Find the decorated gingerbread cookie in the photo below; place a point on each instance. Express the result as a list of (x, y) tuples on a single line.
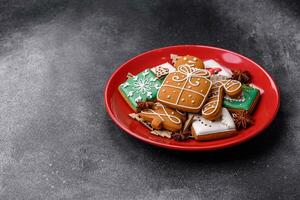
[(140, 88), (162, 70), (190, 61), (162, 117), (246, 101), (213, 107), (186, 89), (203, 129)]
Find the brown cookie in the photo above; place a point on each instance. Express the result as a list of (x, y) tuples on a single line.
[(233, 88), (212, 109), (190, 61), (162, 117), (186, 89)]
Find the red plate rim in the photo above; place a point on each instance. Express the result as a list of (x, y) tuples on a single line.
[(191, 148)]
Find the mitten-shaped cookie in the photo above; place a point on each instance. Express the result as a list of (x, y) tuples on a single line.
[(190, 61), (212, 109), (162, 117), (245, 102), (233, 88)]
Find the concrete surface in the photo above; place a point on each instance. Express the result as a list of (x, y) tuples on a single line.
[(56, 140)]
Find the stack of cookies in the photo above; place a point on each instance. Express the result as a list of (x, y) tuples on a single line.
[(191, 99)]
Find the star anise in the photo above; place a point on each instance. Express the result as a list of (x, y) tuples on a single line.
[(181, 136), (144, 105), (242, 119), (242, 76)]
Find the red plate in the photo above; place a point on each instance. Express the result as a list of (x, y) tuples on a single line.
[(118, 109)]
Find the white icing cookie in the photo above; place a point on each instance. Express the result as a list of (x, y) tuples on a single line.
[(203, 129), (213, 64), (163, 70)]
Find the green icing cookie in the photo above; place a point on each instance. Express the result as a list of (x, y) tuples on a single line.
[(244, 102), (140, 88)]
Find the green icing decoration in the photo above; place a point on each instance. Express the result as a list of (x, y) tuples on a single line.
[(248, 96), (140, 88)]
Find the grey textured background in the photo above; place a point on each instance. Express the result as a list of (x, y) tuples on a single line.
[(56, 140)]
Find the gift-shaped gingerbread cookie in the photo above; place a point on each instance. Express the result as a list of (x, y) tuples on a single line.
[(140, 88), (162, 117), (186, 89)]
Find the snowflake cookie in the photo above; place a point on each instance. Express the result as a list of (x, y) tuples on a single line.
[(140, 88)]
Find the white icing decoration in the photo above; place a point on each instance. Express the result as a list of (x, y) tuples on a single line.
[(191, 63), (238, 99), (145, 73), (135, 78), (130, 94), (142, 86), (125, 84), (172, 118), (149, 94), (165, 66), (181, 113), (153, 79), (138, 99), (226, 123), (157, 86)]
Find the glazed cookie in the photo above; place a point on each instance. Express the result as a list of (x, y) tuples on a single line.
[(162, 117), (140, 88), (190, 61), (212, 109), (216, 69), (162, 70), (186, 89), (203, 129), (246, 101)]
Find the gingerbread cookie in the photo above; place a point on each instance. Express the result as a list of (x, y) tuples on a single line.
[(232, 88), (213, 107), (203, 129), (186, 89), (162, 117), (162, 70), (246, 101), (140, 88), (190, 61)]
